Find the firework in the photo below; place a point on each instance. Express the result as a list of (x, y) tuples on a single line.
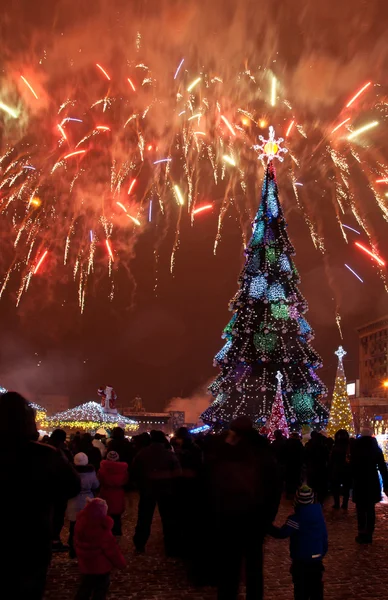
[(29, 86), (105, 73), (289, 128), (362, 129), (354, 273), (229, 160), (194, 83), (225, 120), (109, 250), (179, 196), (351, 229), (273, 91), (340, 125), (40, 261), (358, 94), (10, 111), (179, 68), (131, 84), (78, 152), (202, 208), (371, 254)]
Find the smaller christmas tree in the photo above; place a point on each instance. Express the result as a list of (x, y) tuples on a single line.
[(340, 413), (278, 419)]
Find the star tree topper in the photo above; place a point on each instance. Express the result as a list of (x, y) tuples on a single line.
[(270, 148), (279, 377), (340, 353)]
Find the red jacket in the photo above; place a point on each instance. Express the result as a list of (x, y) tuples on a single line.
[(113, 476), (96, 548)]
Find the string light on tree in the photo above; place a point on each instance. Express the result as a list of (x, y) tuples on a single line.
[(268, 333), (277, 420), (341, 416)]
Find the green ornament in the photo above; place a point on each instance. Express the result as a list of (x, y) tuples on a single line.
[(280, 311), (265, 342), (303, 404)]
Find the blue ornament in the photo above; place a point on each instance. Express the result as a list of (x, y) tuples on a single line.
[(258, 286)]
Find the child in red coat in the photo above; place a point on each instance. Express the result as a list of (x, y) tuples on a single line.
[(113, 475), (97, 550)]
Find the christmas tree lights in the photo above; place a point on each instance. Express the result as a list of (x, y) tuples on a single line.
[(89, 417), (277, 420), (341, 416), (268, 332)]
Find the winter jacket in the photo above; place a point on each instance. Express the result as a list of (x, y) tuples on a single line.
[(339, 464), (155, 465), (244, 484), (36, 477), (306, 529), (113, 476), (96, 548), (365, 459), (89, 482)]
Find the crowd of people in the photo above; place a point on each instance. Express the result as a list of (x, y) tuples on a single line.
[(231, 481)]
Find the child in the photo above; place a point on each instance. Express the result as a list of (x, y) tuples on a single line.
[(97, 550), (113, 475), (306, 529), (89, 482)]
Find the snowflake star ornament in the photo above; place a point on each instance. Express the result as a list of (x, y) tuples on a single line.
[(270, 148), (340, 353)]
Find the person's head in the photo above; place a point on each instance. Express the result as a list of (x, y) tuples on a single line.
[(314, 435), (58, 438), (112, 456), (295, 435), (240, 428), (181, 436), (366, 432), (118, 433), (80, 459), (158, 437), (97, 436), (87, 439), (304, 495), (278, 435), (17, 419), (341, 436)]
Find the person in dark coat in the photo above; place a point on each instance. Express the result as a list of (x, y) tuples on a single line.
[(156, 470), (339, 469), (244, 498), (293, 463), (278, 447), (366, 460), (317, 465), (119, 443), (93, 453), (58, 441), (35, 477), (187, 501)]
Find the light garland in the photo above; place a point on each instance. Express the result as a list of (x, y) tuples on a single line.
[(88, 417), (268, 332), (341, 416)]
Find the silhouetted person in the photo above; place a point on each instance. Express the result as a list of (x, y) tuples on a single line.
[(118, 443), (278, 448), (93, 453), (58, 441), (35, 478), (339, 469), (294, 457), (244, 496), (155, 470), (317, 461), (366, 460)]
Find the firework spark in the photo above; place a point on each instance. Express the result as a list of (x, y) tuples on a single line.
[(108, 246), (354, 273), (179, 68), (362, 129), (40, 261), (358, 94), (105, 73), (29, 86), (202, 208), (379, 260)]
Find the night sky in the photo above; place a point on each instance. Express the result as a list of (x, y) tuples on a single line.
[(160, 344)]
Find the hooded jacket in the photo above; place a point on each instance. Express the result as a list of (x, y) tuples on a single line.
[(96, 548), (89, 482), (366, 458), (113, 476)]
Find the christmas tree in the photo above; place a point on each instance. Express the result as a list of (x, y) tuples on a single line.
[(277, 420), (268, 332), (340, 413)]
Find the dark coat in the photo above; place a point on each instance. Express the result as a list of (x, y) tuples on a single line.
[(36, 477), (97, 550), (366, 459), (244, 485), (339, 464), (156, 467)]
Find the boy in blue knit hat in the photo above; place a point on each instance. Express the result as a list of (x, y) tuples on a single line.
[(306, 529)]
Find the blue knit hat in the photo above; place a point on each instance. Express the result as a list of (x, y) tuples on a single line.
[(304, 495)]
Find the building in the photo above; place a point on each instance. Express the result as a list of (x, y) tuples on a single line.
[(165, 421), (373, 359)]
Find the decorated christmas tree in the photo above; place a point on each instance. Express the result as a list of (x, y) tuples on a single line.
[(277, 420), (268, 332), (340, 413)]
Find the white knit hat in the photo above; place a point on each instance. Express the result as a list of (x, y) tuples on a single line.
[(81, 460)]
